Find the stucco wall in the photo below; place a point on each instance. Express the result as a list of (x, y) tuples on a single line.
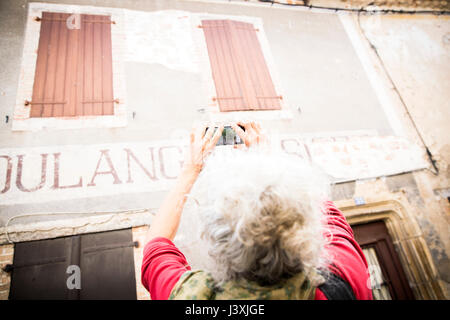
[(327, 88), (334, 84), (323, 82), (415, 51), (416, 54)]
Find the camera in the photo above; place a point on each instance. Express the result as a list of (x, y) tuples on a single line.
[(229, 136)]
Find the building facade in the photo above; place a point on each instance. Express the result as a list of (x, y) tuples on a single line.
[(96, 104)]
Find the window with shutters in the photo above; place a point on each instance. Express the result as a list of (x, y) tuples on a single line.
[(240, 72), (74, 67), (40, 269), (72, 70)]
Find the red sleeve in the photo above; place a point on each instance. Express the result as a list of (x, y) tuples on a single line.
[(162, 266), (348, 260)]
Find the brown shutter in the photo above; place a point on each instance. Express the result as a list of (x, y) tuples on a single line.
[(74, 67), (240, 72), (106, 262), (39, 269)]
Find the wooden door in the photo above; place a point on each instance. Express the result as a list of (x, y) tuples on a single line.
[(387, 275), (105, 259)]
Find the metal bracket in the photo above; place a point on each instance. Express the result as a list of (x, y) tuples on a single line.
[(27, 102), (39, 19), (8, 268), (102, 101)]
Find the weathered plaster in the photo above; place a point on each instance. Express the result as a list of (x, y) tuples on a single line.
[(342, 191), (408, 241), (332, 79), (55, 173), (430, 220), (416, 55), (407, 184), (104, 221)]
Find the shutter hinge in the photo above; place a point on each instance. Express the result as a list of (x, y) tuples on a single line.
[(270, 97), (27, 102), (8, 268), (133, 244), (39, 19), (102, 101)]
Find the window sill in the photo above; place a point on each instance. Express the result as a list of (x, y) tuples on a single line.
[(283, 114), (59, 123)]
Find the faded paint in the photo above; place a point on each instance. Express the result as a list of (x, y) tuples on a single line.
[(417, 56), (45, 174), (331, 81), (343, 191), (162, 37)]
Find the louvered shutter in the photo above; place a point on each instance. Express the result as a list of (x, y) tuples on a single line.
[(74, 67), (240, 72), (109, 261)]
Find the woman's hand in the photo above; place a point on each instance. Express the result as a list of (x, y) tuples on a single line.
[(253, 134), (201, 145)]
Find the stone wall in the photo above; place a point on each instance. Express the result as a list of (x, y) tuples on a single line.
[(139, 234), (6, 257), (424, 219)]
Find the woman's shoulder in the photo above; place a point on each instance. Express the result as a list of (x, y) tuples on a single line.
[(193, 285)]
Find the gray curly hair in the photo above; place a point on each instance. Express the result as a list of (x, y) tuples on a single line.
[(261, 216)]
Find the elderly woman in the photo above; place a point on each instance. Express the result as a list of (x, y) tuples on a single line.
[(267, 224)]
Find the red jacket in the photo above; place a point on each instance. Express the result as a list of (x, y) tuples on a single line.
[(163, 264)]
